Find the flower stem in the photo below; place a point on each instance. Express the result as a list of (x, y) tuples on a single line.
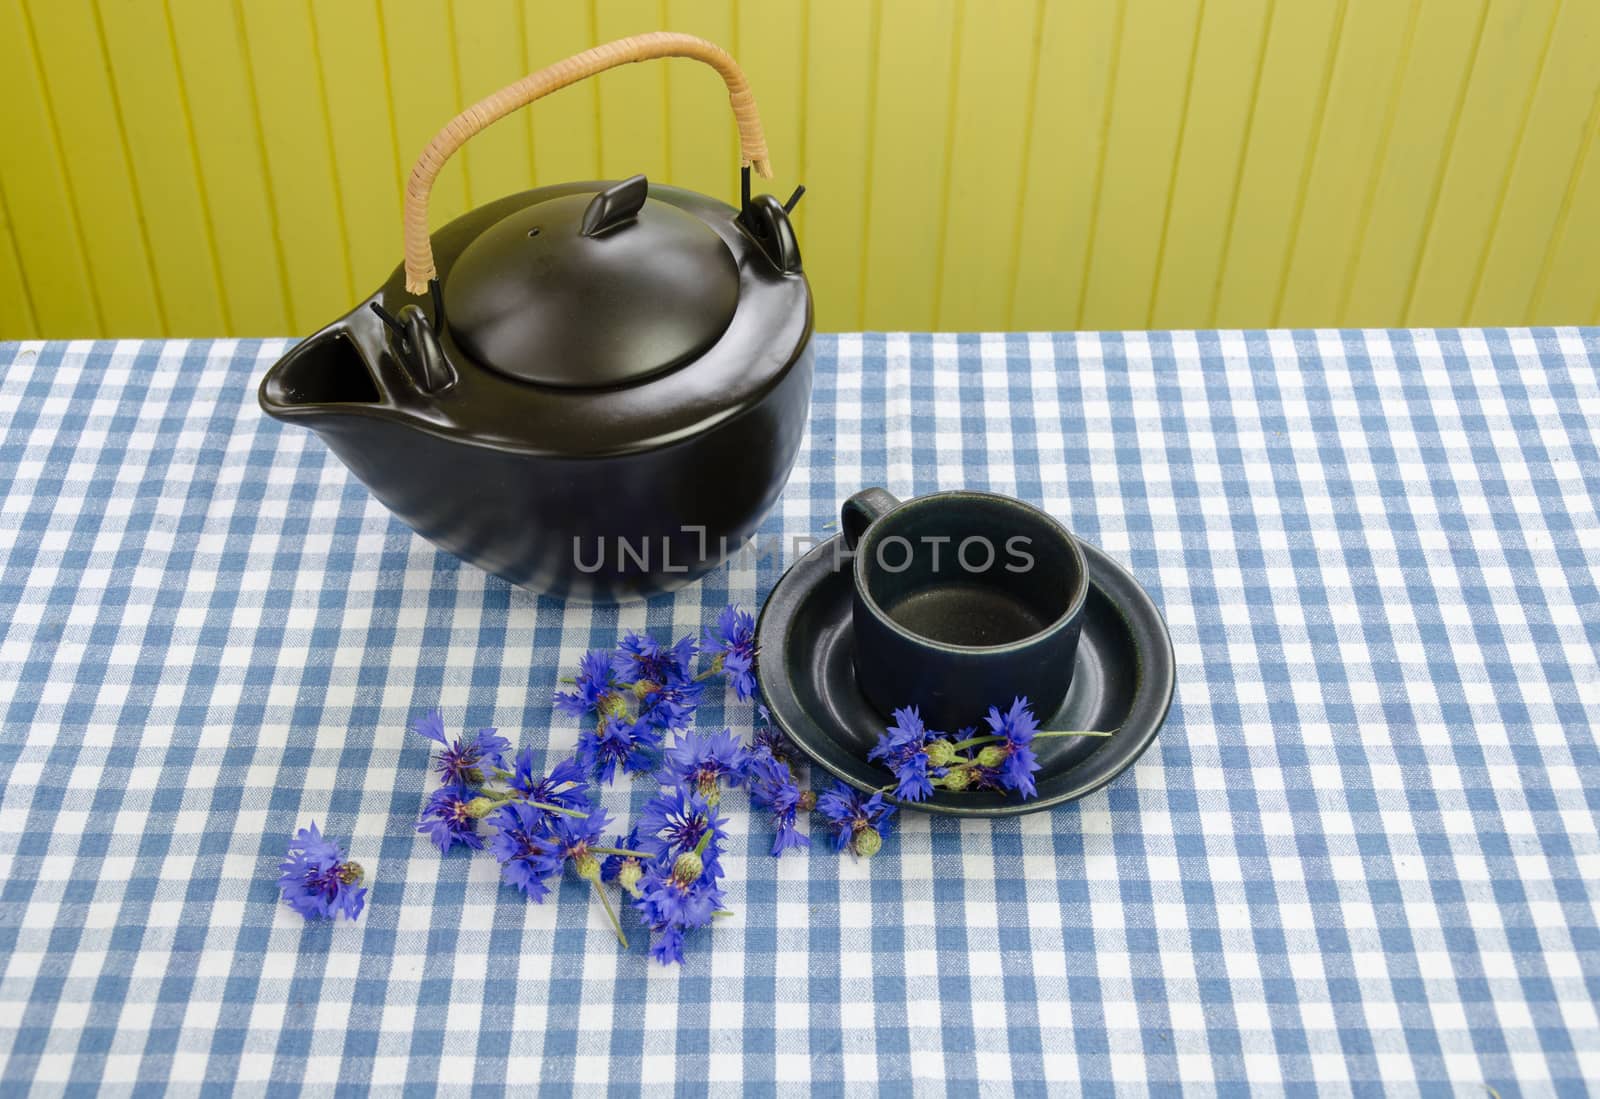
[(989, 738), (562, 809), (605, 902), (623, 852), (504, 796)]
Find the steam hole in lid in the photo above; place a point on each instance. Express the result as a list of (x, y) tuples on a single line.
[(534, 231)]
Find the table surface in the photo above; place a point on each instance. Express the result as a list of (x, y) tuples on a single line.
[(1363, 855)]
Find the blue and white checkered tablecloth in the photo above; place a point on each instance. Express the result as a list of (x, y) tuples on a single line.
[(1363, 855)]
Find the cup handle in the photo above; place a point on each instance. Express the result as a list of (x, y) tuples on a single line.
[(862, 510)]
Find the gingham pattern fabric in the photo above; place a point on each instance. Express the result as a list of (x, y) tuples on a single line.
[(1363, 855)]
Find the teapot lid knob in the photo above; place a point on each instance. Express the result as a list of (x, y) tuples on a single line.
[(616, 205)]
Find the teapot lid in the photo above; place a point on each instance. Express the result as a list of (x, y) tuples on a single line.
[(592, 290)]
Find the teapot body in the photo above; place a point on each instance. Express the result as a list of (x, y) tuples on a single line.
[(597, 529), (604, 493)]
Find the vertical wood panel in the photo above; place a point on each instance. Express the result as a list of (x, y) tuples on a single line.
[(634, 100), (770, 44), (842, 39), (16, 307), (1077, 54), (365, 147), (703, 147), (196, 166), (1547, 158), (422, 78), (38, 196), (1222, 95), (211, 60), (1355, 125), (1301, 45), (908, 162), (566, 127), (983, 199), (1149, 96), (1567, 291), (1493, 116), (85, 112), (155, 116), (297, 146), (491, 52), (1389, 235)]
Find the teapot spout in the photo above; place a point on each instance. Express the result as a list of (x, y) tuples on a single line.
[(326, 369)]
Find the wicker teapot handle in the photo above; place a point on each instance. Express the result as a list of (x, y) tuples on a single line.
[(640, 47)]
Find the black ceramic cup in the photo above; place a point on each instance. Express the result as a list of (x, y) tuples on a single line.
[(962, 601)]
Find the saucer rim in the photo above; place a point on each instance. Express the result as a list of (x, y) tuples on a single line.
[(1153, 687)]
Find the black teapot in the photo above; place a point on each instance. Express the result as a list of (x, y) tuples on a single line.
[(594, 390)]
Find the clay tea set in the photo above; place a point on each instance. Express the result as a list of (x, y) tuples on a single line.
[(597, 390)]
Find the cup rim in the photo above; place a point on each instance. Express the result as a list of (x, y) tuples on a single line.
[(1080, 589)]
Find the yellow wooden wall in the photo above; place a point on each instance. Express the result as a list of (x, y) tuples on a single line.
[(192, 167)]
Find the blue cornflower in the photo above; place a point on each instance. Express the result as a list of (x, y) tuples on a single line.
[(533, 846), (772, 787), (859, 822), (592, 692), (524, 848), (703, 763), (675, 821), (1017, 724), (625, 870), (903, 748), (563, 786), (907, 728), (446, 820), (640, 657), (615, 742), (667, 709), (774, 742), (667, 945), (317, 881), (461, 762), (575, 835), (1018, 762), (678, 894), (733, 641)]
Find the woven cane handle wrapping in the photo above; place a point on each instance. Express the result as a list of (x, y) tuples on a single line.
[(641, 47)]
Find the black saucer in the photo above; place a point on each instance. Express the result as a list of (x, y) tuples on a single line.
[(1123, 681)]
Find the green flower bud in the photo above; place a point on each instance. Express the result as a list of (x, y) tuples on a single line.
[(351, 872), (709, 790), (644, 689), (868, 842), (480, 807), (588, 867), (957, 778), (688, 868), (808, 800), (991, 756), (941, 753), (628, 875)]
